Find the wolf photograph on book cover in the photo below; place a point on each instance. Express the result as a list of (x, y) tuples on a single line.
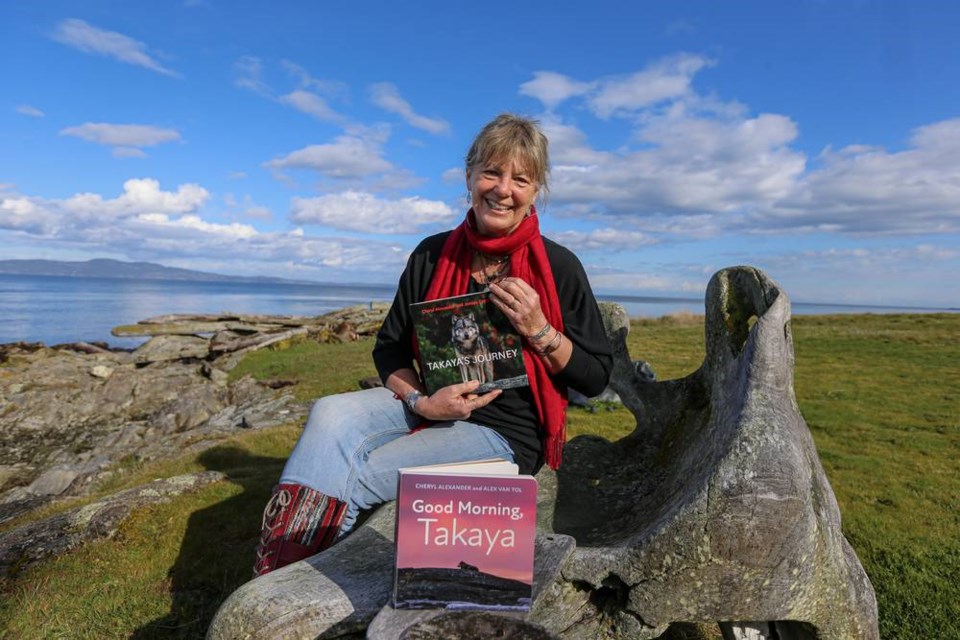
[(465, 541), (466, 338)]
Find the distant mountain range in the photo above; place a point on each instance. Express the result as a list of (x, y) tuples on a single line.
[(106, 268)]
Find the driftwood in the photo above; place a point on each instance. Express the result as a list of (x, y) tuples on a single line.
[(715, 509), (86, 347), (227, 337), (257, 341), (247, 318)]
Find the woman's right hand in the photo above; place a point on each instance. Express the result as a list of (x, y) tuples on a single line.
[(455, 402)]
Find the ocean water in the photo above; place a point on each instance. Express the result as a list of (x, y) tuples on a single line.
[(54, 310)]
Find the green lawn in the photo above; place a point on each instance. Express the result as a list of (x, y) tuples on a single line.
[(881, 394)]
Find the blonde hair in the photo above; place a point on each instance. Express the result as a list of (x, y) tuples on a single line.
[(512, 137)]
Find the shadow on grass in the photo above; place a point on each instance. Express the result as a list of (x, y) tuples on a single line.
[(216, 555)]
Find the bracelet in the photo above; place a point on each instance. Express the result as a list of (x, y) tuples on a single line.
[(550, 348), (540, 334), (411, 400)]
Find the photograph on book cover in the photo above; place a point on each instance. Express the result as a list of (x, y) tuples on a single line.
[(465, 541), (467, 338)]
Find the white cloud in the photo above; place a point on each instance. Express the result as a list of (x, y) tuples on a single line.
[(910, 274), (862, 189), (128, 152), (695, 166), (941, 137), (640, 280), (667, 79), (248, 71), (258, 212), (89, 39), (364, 212), (247, 207), (30, 110), (140, 196), (312, 105), (552, 88), (147, 223), (684, 166), (386, 96), (874, 257), (354, 159), (569, 148), (125, 138), (145, 194), (307, 81), (454, 175), (317, 257), (291, 254), (669, 278), (606, 239), (188, 224), (89, 213), (23, 214), (347, 157)]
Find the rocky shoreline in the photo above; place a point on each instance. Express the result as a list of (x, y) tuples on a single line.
[(71, 413)]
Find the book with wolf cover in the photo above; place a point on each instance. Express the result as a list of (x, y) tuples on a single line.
[(465, 338), (465, 537)]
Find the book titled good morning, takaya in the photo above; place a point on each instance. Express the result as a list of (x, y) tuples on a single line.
[(463, 338), (464, 540)]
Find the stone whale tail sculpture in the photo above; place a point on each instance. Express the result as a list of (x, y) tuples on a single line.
[(715, 509)]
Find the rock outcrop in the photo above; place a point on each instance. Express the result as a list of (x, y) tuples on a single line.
[(70, 413), (65, 531), (715, 509)]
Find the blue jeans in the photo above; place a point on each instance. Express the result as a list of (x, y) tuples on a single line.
[(353, 444)]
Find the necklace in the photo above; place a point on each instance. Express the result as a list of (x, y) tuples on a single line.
[(500, 264)]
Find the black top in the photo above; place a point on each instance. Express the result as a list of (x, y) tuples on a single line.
[(514, 414)]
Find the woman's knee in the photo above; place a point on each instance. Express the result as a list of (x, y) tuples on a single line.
[(332, 413), (325, 412), (355, 419)]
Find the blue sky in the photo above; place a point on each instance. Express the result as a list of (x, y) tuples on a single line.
[(819, 141)]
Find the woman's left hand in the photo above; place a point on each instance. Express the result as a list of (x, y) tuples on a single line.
[(520, 303)]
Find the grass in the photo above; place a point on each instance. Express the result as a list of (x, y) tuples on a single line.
[(881, 395), (316, 369), (170, 565), (882, 398)]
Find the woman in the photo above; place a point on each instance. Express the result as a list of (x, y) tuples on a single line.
[(348, 454)]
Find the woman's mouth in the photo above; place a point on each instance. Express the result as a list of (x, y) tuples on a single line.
[(498, 207)]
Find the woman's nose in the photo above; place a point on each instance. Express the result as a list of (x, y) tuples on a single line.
[(503, 184)]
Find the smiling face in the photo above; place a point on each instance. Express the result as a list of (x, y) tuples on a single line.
[(501, 194)]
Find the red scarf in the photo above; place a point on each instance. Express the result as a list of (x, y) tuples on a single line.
[(528, 261)]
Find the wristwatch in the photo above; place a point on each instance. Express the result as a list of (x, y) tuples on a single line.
[(411, 400)]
